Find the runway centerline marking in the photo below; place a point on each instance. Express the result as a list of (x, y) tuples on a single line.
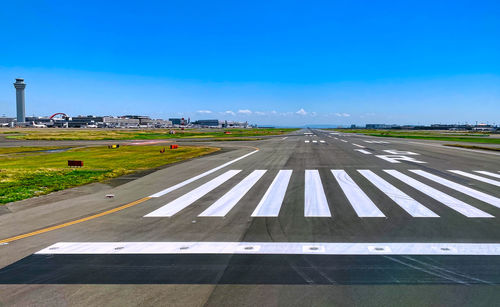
[(224, 204), (413, 207), (488, 174), (366, 152), (494, 201), (445, 199), (263, 248), (476, 177), (361, 203), (270, 204), (315, 203), (187, 199), (188, 181)]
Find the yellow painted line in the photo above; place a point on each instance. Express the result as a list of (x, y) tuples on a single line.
[(88, 218)]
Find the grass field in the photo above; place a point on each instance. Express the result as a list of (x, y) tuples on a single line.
[(429, 135), (26, 172), (133, 134)]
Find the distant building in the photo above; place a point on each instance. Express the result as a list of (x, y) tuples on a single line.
[(120, 122), (208, 123), (179, 121), (84, 121), (381, 126)]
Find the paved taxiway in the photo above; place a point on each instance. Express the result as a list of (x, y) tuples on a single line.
[(314, 217)]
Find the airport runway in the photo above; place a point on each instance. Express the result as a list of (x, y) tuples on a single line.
[(312, 218)]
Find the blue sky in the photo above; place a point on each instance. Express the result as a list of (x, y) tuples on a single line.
[(268, 62)]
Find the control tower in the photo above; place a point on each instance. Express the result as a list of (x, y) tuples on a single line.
[(20, 85)]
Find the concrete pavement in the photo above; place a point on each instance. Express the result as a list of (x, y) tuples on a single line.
[(313, 189)]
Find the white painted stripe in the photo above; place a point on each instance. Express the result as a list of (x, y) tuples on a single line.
[(285, 138), (222, 206), (360, 146), (322, 141), (188, 181), (315, 141), (488, 174), (366, 152), (187, 199), (447, 200), (413, 207), (363, 205), (300, 248), (315, 203), (306, 141), (476, 177), (494, 201), (344, 141), (270, 204), (336, 138)]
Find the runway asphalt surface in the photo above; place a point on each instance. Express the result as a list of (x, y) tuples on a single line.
[(311, 218)]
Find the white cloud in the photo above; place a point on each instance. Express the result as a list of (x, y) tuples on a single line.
[(274, 112), (245, 112), (342, 114), (229, 112), (204, 112), (259, 113), (301, 112)]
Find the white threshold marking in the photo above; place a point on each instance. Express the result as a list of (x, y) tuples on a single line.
[(314, 141), (321, 141), (187, 199), (188, 181), (306, 141), (366, 152), (222, 206), (315, 203), (488, 174), (336, 138), (363, 205), (479, 178), (357, 145), (262, 248), (460, 188), (447, 200), (413, 207), (344, 141), (270, 204), (285, 138)]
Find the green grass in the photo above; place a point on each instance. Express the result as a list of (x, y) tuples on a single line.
[(428, 135), (134, 134), (36, 173), (473, 147)]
